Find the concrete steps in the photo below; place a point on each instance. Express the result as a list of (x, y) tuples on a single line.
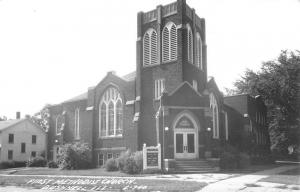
[(194, 166)]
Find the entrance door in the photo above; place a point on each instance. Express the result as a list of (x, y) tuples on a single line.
[(185, 145)]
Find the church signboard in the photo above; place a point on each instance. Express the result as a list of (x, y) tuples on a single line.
[(152, 157)]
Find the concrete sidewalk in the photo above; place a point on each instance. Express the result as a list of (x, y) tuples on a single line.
[(244, 183)]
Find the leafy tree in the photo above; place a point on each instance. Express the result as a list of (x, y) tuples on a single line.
[(278, 82), (42, 117)]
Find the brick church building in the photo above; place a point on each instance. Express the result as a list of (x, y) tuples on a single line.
[(168, 99)]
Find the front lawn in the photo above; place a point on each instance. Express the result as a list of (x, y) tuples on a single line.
[(99, 183), (83, 172), (290, 177)]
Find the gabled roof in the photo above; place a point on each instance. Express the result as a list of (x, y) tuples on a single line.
[(130, 76), (9, 123), (82, 96), (184, 95)]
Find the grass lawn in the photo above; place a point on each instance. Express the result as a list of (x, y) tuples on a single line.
[(291, 177), (251, 169), (84, 172), (100, 184)]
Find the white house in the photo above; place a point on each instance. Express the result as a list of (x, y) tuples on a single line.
[(21, 139)]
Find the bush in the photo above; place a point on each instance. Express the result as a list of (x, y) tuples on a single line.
[(111, 165), (36, 162), (75, 156), (52, 164), (122, 159), (138, 158), (7, 164), (131, 163), (130, 166), (243, 160)]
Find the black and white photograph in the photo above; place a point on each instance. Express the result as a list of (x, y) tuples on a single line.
[(150, 95)]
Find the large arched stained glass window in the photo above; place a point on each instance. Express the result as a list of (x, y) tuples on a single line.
[(111, 113), (119, 117)]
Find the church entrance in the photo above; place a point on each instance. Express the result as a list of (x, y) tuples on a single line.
[(185, 137)]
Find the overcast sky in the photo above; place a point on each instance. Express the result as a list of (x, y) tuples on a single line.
[(53, 50)]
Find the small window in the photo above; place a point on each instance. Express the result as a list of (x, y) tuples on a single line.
[(11, 138), (23, 147), (100, 159), (33, 139), (159, 87), (109, 155), (33, 153), (10, 154), (117, 155), (195, 85)]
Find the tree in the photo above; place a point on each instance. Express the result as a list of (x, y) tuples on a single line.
[(278, 82), (42, 117)]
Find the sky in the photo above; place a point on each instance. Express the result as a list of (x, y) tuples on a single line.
[(53, 50)]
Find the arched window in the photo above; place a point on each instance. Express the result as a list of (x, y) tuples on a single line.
[(215, 111), (103, 119), (119, 117), (111, 113), (199, 51), (190, 46), (59, 124), (150, 47), (76, 127), (169, 42)]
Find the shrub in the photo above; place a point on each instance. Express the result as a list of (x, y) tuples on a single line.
[(75, 156), (228, 160), (111, 165), (243, 160), (131, 163), (52, 164), (122, 159), (130, 166), (37, 162), (7, 164), (138, 158)]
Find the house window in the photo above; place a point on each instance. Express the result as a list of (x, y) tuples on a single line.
[(76, 128), (169, 42), (10, 154), (117, 155), (59, 124), (159, 86), (23, 147), (109, 156), (33, 153), (190, 46), (111, 113), (33, 139), (199, 51), (215, 111), (100, 159), (10, 138), (150, 47), (195, 85)]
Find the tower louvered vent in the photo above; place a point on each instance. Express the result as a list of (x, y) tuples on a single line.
[(169, 42), (150, 47), (190, 44)]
